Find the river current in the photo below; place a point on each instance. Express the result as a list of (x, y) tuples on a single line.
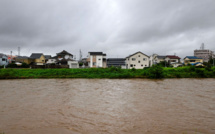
[(107, 106)]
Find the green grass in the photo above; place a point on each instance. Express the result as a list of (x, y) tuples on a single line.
[(112, 73)]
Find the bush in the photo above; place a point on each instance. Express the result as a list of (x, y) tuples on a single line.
[(12, 65), (24, 65), (155, 72)]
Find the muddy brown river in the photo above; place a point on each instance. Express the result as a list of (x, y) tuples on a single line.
[(107, 106)]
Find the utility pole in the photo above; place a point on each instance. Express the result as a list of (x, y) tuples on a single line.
[(18, 51), (11, 56), (80, 58)]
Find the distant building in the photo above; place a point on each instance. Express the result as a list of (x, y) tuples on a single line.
[(63, 58), (97, 59), (170, 59), (173, 59), (193, 60), (47, 57), (39, 58), (137, 60), (203, 53), (116, 62), (3, 60), (24, 59)]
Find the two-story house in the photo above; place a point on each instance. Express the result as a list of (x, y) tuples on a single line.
[(193, 60), (137, 60), (39, 58), (97, 59)]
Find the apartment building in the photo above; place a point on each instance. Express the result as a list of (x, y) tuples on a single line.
[(203, 53)]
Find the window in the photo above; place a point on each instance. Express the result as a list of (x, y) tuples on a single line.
[(138, 61), (142, 65), (99, 59), (128, 58), (133, 59), (94, 63), (144, 59), (139, 55), (3, 59), (131, 65), (134, 65)]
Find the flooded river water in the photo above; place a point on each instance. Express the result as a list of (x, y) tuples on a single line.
[(107, 106)]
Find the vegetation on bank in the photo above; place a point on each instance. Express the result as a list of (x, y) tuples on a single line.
[(113, 72)]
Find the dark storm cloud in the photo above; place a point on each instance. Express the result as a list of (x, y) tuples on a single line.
[(117, 27)]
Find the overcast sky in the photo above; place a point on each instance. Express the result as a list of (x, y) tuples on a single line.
[(115, 27)]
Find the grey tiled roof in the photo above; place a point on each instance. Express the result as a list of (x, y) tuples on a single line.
[(161, 57), (36, 55), (23, 57), (47, 56), (64, 52), (1, 55), (136, 53), (97, 53)]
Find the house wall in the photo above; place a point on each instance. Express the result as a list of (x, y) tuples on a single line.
[(97, 59), (140, 61), (4, 61), (27, 61), (192, 61), (73, 64), (40, 60), (51, 61)]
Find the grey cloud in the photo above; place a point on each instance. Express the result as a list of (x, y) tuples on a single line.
[(117, 27)]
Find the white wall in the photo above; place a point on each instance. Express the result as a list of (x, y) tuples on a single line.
[(99, 63), (74, 63), (138, 58)]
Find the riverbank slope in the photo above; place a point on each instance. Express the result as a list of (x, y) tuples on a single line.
[(153, 72)]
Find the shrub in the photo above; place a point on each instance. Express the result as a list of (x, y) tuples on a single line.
[(155, 72), (12, 65), (25, 65)]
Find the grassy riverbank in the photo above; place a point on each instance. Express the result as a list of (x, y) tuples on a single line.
[(153, 72)]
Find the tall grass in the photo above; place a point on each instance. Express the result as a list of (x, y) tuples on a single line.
[(153, 72)]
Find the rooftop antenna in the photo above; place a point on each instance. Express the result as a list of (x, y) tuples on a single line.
[(202, 46)]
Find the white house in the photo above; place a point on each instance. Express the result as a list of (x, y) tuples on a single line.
[(3, 60), (97, 59), (137, 60)]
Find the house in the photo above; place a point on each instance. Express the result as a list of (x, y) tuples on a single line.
[(39, 58), (64, 55), (24, 59), (63, 58), (97, 59), (137, 60), (3, 60), (172, 59), (116, 62), (52, 60), (193, 60), (155, 59), (47, 57)]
